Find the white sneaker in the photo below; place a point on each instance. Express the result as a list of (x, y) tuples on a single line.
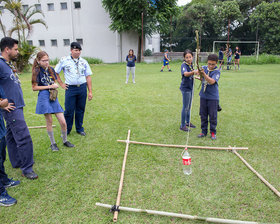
[(134, 82), (126, 82)]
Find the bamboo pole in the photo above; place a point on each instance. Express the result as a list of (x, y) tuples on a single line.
[(184, 146), (33, 127), (258, 175), (122, 177), (177, 215)]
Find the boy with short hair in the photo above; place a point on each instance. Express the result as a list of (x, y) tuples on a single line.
[(209, 96), (166, 61)]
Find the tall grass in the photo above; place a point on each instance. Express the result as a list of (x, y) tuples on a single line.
[(263, 59)]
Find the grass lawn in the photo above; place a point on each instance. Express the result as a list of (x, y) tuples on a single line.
[(71, 181)]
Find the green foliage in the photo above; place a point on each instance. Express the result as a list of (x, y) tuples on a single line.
[(26, 52), (265, 21), (91, 60), (54, 62), (148, 52), (263, 59), (72, 180)]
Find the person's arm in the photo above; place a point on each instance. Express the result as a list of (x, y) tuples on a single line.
[(188, 74), (207, 78), (62, 84), (89, 86), (35, 87)]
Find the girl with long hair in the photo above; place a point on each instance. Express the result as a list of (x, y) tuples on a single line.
[(237, 54), (130, 66), (43, 80)]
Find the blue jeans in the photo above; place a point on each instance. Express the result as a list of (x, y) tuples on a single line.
[(186, 110), (75, 103)]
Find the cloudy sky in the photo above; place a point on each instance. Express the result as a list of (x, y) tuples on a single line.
[(183, 2)]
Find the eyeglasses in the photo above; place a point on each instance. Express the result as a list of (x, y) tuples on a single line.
[(212, 64), (45, 61)]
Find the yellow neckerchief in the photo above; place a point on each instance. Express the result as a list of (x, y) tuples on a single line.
[(11, 65), (47, 77), (190, 65), (208, 73)]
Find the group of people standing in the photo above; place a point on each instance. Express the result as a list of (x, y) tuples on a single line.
[(15, 135), (228, 52)]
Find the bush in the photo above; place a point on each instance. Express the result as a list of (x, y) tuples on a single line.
[(26, 52), (263, 59), (148, 52), (93, 60)]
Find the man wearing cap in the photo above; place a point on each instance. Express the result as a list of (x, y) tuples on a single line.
[(77, 74)]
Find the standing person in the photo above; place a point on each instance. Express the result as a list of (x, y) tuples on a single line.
[(130, 66), (237, 54), (221, 57), (166, 61), (209, 96), (19, 142), (5, 182), (43, 80), (186, 88), (229, 56), (77, 75)]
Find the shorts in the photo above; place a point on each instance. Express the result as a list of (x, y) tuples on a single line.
[(165, 62)]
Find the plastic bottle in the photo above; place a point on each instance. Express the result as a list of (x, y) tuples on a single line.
[(187, 162)]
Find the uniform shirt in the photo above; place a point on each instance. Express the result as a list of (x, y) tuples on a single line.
[(11, 85), (237, 54), (211, 91), (164, 58), (130, 61), (44, 78), (2, 125), (187, 82), (221, 55), (75, 70)]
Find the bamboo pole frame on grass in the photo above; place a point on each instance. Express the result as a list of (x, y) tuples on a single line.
[(122, 178), (34, 127), (258, 175), (177, 215), (184, 146)]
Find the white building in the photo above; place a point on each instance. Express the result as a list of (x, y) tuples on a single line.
[(84, 21)]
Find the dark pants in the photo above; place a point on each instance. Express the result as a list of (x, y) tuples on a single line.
[(75, 103), (208, 108), (19, 142), (3, 175)]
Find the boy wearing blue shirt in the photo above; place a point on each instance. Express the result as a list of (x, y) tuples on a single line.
[(209, 96), (166, 61)]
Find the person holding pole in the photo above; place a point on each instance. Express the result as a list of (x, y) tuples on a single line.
[(19, 142), (77, 73), (43, 80)]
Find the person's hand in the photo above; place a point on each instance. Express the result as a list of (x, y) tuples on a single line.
[(4, 103), (54, 86), (10, 107), (89, 96), (64, 86)]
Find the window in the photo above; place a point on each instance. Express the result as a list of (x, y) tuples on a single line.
[(63, 5), (150, 41), (77, 5), (66, 42), (24, 8), (41, 43), (54, 43), (1, 9), (50, 7), (80, 41), (38, 7), (30, 42)]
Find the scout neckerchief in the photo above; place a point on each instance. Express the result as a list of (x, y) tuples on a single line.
[(77, 64), (208, 73), (47, 77), (190, 66), (14, 70)]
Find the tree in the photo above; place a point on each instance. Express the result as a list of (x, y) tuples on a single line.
[(265, 20), (127, 16)]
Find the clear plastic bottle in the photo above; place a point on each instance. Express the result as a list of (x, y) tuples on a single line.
[(187, 162)]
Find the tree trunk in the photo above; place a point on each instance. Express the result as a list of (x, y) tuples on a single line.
[(139, 49)]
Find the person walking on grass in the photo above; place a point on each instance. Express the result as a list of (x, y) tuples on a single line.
[(166, 61), (43, 80), (130, 66), (186, 88), (237, 54), (209, 96), (5, 182), (19, 142), (221, 58), (77, 73)]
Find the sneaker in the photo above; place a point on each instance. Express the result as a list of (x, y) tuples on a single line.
[(134, 82), (54, 147), (201, 135), (125, 82), (184, 128), (161, 70), (32, 175), (6, 200), (190, 125), (219, 108), (213, 136), (11, 183), (68, 144), (170, 70)]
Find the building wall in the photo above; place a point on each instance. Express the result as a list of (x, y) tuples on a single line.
[(89, 23)]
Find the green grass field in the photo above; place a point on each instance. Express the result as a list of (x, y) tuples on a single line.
[(71, 181)]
